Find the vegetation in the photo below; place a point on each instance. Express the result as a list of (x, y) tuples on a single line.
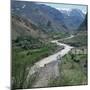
[(32, 29), (25, 52), (73, 71), (27, 42), (73, 66), (78, 40), (60, 35)]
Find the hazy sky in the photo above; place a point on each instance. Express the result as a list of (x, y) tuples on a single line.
[(65, 6), (68, 6)]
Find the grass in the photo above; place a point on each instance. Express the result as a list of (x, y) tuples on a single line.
[(22, 59), (60, 35), (73, 71), (78, 40), (73, 67)]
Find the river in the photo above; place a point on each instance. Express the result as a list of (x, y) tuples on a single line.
[(50, 59)]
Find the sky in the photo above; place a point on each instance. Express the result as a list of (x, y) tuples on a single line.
[(68, 6), (65, 6)]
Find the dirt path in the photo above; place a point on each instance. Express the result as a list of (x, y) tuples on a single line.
[(48, 67), (51, 70)]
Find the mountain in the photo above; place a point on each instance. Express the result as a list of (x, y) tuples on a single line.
[(22, 27), (72, 18), (83, 26), (46, 17)]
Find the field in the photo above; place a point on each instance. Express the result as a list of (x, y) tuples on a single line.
[(73, 66), (79, 40), (60, 35), (73, 71), (25, 56)]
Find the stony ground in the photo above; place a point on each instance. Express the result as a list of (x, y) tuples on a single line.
[(47, 72)]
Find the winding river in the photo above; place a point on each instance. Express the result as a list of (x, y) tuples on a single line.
[(51, 58)]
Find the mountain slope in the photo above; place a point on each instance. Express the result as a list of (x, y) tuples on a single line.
[(46, 17), (83, 26), (22, 27), (73, 18)]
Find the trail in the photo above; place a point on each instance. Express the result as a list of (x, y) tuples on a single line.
[(48, 67)]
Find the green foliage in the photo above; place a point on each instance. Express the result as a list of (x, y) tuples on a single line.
[(27, 42), (72, 71), (25, 53), (78, 41), (60, 35)]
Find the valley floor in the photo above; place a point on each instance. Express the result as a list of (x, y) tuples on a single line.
[(56, 69), (45, 64)]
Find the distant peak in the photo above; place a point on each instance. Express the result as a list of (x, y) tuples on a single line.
[(65, 9)]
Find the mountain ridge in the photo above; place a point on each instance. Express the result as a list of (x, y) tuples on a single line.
[(23, 27)]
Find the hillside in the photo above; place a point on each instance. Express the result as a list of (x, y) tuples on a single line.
[(46, 17), (29, 45), (22, 27), (74, 18), (83, 26), (80, 36), (79, 40), (43, 41)]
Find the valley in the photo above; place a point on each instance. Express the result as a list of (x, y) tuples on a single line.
[(49, 46)]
